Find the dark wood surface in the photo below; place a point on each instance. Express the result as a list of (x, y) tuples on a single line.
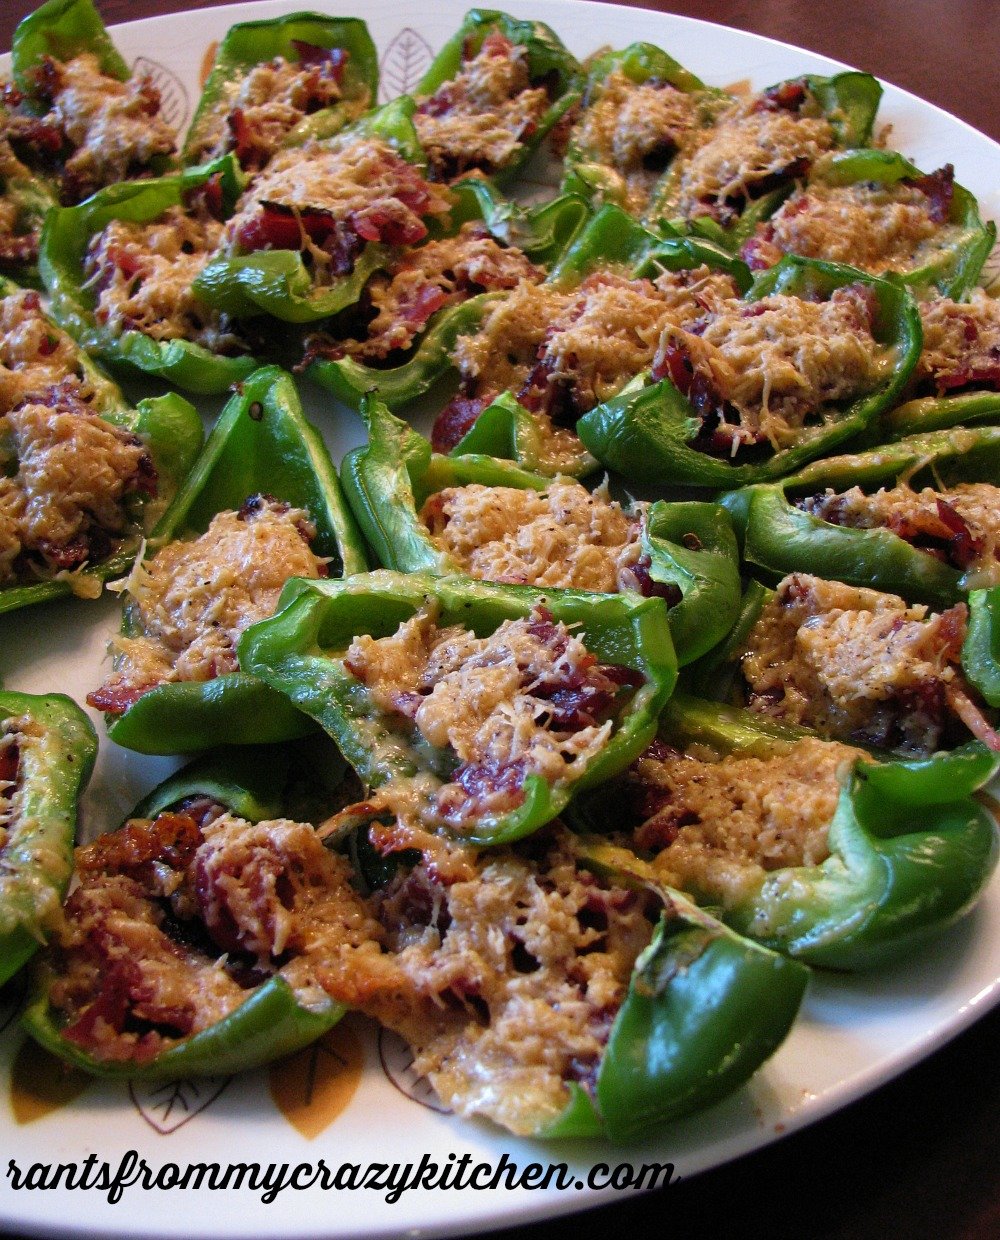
[(917, 1160)]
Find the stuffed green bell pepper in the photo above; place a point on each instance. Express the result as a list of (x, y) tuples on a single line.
[(261, 504), (423, 512), (194, 939), (398, 338), (639, 108), (956, 381), (760, 386), (731, 176), (810, 847), (919, 517), (76, 110), (84, 476), (402, 671), (491, 95), (321, 219), (280, 82), (981, 648), (854, 664), (119, 270), (545, 354), (875, 210), (47, 752), (649, 1008)]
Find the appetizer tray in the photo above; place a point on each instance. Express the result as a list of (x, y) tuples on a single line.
[(354, 1097)]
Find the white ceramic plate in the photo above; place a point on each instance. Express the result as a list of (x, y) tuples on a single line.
[(853, 1033)]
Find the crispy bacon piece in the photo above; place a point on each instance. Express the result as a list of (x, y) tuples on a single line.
[(970, 714), (456, 419), (9, 764), (169, 839), (332, 60), (939, 186), (785, 97), (116, 699)]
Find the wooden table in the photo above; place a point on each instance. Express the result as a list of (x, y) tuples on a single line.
[(917, 1160)]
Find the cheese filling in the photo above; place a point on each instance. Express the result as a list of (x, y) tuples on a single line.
[(189, 604), (563, 537), (961, 344), (529, 700), (479, 120), (35, 355), (857, 665), (961, 524)]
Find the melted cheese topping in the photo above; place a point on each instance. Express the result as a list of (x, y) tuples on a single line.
[(854, 664), (780, 360), (34, 354), (875, 227), (477, 121), (722, 824), (482, 699), (978, 504), (458, 266), (115, 126), (74, 474), (747, 147), (272, 99), (342, 177), (146, 272), (959, 337), (504, 983), (630, 124), (192, 600), (564, 537)]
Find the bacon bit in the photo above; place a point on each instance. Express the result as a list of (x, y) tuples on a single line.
[(456, 419), (116, 699), (939, 187), (987, 377), (244, 145), (280, 228), (15, 251), (495, 44), (170, 839), (429, 299), (638, 577), (663, 828), (964, 547), (971, 715), (760, 252), (208, 197), (332, 60), (8, 764), (501, 782), (785, 97)]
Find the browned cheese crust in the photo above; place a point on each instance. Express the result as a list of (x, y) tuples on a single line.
[(961, 344)]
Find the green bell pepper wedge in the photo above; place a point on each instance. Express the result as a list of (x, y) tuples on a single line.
[(613, 240), (705, 1008), (548, 61), (779, 537), (955, 269), (277, 282), (65, 238), (261, 444), (932, 413), (54, 763), (299, 652), (171, 429), (646, 433), (542, 232), (981, 648), (249, 44), (387, 482), (251, 783), (910, 849), (848, 100), (62, 29), (585, 172)]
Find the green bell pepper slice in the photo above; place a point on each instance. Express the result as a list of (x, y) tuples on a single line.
[(171, 429), (910, 848), (611, 240), (690, 545), (277, 282), (954, 270), (779, 537), (548, 61), (65, 238), (932, 413), (249, 44), (646, 433), (53, 763), (848, 100), (251, 783), (542, 232), (981, 648), (300, 650), (261, 444), (705, 1008), (585, 173), (62, 29)]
